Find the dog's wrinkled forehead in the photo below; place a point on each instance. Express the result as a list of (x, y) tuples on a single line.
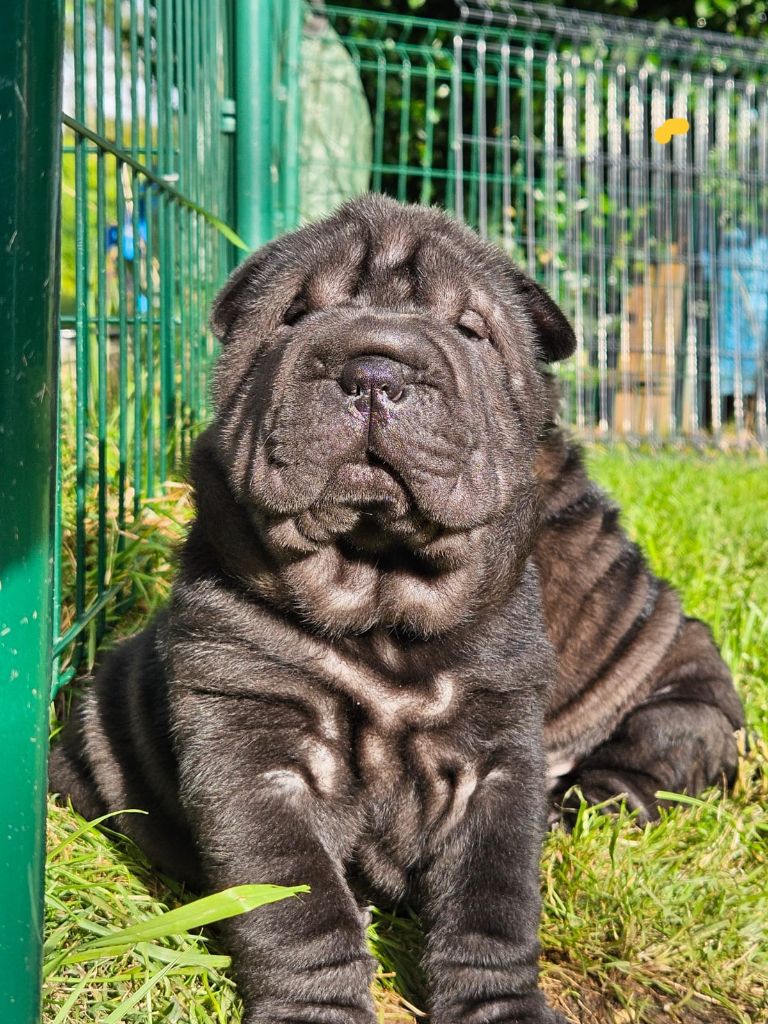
[(394, 262), (427, 271), (375, 252)]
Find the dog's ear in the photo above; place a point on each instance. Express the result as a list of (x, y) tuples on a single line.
[(554, 335), (239, 293)]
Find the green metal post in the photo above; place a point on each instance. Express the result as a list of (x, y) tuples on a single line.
[(254, 77), (292, 112), (30, 138)]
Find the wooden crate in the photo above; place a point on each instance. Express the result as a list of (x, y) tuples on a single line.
[(645, 383)]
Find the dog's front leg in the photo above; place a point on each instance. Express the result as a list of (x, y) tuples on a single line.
[(258, 817), (481, 904)]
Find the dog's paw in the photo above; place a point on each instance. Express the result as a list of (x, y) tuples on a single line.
[(541, 1015), (608, 796), (540, 1012), (535, 1011), (549, 1016), (545, 1015)]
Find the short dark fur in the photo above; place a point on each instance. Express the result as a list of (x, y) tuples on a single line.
[(642, 701), (353, 680)]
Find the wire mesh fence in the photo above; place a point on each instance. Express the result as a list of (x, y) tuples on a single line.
[(145, 197), (536, 126)]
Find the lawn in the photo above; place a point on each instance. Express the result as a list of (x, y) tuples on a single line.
[(665, 924)]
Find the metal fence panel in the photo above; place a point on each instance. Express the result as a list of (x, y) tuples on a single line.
[(148, 129), (30, 98), (536, 125)]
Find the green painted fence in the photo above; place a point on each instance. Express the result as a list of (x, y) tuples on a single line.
[(146, 204), (30, 104)]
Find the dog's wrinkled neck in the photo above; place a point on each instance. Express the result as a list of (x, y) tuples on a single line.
[(339, 591)]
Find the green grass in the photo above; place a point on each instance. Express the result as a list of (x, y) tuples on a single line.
[(666, 924)]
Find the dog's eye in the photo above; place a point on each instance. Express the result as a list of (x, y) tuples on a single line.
[(472, 326), (295, 312)]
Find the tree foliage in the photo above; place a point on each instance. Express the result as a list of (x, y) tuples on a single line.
[(738, 17)]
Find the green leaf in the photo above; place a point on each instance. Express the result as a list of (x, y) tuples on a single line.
[(229, 903)]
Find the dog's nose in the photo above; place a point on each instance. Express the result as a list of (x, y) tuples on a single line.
[(373, 373)]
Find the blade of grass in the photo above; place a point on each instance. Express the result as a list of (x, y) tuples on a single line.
[(85, 827), (680, 798), (205, 961), (135, 997), (228, 903), (72, 998)]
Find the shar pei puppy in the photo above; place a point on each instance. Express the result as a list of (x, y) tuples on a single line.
[(404, 625)]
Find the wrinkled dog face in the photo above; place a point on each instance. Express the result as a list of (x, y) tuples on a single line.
[(378, 401)]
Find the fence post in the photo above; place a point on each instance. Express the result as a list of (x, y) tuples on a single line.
[(291, 112), (30, 141), (254, 76)]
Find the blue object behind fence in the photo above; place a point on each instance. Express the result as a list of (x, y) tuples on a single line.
[(742, 310)]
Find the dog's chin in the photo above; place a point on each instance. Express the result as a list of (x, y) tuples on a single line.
[(372, 489), (366, 512)]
